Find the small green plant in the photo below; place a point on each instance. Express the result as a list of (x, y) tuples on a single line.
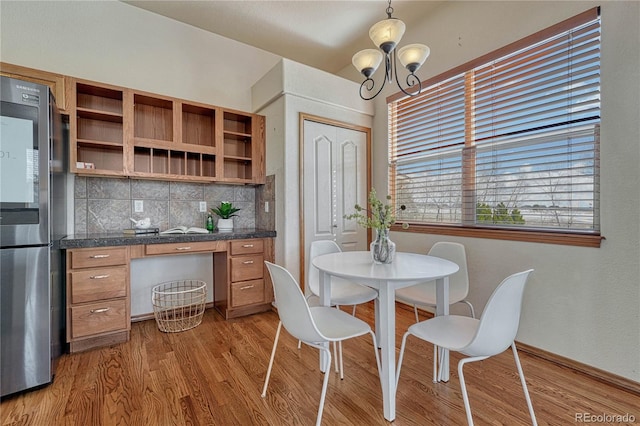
[(225, 210), (379, 216)]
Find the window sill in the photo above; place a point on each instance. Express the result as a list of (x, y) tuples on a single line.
[(562, 238)]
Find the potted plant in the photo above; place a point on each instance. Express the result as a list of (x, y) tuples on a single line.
[(225, 211)]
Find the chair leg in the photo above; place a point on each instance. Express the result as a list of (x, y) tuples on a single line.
[(473, 312), (273, 354), (375, 350), (435, 364), (340, 356), (441, 365), (354, 310), (463, 387), (335, 357), (307, 299), (524, 384), (415, 310), (404, 342), (324, 387)]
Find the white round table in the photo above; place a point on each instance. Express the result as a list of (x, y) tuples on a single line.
[(406, 269)]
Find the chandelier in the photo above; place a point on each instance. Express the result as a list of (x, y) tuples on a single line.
[(386, 35)]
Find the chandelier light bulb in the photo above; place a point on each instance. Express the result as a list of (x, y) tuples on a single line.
[(412, 56), (367, 61), (387, 34)]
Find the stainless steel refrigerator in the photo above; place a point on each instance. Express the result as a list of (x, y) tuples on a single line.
[(32, 218)]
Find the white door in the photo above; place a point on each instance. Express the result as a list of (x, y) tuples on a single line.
[(335, 179)]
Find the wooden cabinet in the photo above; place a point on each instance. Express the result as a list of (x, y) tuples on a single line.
[(173, 139), (184, 248), (122, 132), (242, 284), (98, 297), (56, 82), (97, 129), (98, 304), (243, 150)]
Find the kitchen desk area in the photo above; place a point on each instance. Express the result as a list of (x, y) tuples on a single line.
[(99, 286)]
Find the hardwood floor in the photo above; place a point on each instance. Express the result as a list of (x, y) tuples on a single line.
[(213, 375)]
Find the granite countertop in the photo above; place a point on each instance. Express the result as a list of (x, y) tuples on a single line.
[(119, 239)]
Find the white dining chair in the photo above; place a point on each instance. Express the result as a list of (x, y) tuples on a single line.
[(315, 326), (343, 292), (424, 294), (479, 339)]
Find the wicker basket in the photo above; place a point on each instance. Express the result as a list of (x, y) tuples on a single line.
[(179, 305)]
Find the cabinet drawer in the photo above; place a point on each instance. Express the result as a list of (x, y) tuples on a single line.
[(246, 247), (247, 293), (94, 257), (245, 268), (100, 317), (96, 284), (188, 247)]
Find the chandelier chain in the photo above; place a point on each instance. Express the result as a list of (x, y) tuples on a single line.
[(389, 10)]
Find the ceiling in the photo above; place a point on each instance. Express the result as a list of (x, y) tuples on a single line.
[(321, 34)]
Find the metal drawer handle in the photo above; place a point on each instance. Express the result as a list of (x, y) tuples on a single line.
[(99, 277), (99, 311), (248, 262), (183, 248), (247, 245), (246, 287), (99, 256)]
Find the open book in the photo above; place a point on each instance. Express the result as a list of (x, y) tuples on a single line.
[(185, 230)]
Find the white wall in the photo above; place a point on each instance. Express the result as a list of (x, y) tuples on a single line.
[(581, 303), (281, 95), (113, 42)]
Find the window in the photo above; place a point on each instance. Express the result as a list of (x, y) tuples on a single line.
[(506, 146)]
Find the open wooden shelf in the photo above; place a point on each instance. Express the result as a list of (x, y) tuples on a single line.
[(97, 98), (125, 132), (154, 162), (98, 130), (238, 169), (198, 125), (239, 137), (153, 118), (237, 123), (237, 146), (98, 142), (102, 156)]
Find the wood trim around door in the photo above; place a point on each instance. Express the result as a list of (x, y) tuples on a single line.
[(322, 120)]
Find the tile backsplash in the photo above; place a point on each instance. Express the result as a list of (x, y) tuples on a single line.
[(106, 204)]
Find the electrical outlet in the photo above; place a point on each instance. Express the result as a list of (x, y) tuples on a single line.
[(138, 206), (266, 207), (203, 206)]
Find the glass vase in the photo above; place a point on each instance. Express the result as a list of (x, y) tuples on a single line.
[(382, 248)]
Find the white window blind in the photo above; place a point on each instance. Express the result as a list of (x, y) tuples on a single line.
[(427, 158), (509, 142)]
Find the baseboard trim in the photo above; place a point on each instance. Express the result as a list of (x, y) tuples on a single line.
[(593, 372)]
